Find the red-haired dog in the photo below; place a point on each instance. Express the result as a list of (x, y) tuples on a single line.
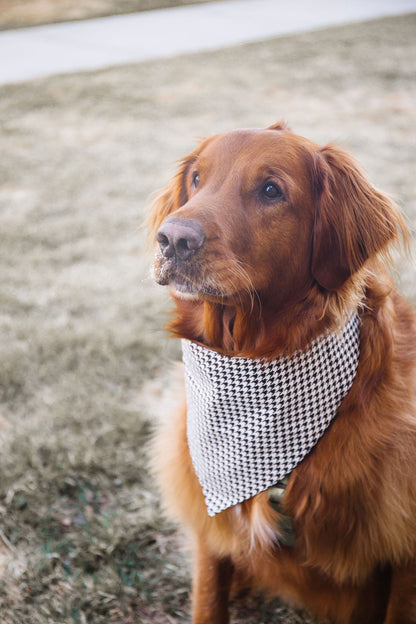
[(274, 250)]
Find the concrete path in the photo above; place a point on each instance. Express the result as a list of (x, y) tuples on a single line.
[(96, 43)]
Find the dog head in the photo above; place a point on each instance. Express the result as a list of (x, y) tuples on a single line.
[(267, 212)]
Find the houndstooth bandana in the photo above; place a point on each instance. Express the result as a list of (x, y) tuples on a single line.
[(250, 421)]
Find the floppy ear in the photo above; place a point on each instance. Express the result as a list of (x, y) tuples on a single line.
[(170, 198), (353, 220)]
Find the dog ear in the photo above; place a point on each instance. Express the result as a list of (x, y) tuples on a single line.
[(169, 199), (353, 220)]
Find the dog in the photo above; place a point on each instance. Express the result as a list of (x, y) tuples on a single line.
[(270, 244)]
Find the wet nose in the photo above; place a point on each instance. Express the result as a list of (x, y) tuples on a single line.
[(180, 238)]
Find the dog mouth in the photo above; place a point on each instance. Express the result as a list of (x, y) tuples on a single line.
[(185, 282), (183, 288)]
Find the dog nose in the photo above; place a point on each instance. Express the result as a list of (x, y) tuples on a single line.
[(180, 238)]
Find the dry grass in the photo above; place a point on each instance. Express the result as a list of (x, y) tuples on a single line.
[(23, 13), (81, 535)]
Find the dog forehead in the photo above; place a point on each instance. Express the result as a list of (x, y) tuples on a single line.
[(255, 149)]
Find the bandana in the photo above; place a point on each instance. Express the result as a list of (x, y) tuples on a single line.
[(251, 421)]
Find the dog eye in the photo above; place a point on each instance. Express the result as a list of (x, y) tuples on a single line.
[(272, 191), (195, 180)]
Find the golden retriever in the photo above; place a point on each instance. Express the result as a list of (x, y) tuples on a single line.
[(266, 242)]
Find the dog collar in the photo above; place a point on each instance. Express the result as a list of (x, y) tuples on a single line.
[(250, 422)]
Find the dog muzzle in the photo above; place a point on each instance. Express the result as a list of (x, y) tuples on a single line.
[(251, 421)]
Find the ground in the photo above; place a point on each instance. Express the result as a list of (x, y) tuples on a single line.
[(84, 357), (24, 13)]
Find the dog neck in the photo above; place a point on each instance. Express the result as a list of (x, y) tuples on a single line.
[(257, 330)]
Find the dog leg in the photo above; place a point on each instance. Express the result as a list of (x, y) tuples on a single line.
[(211, 587), (402, 601)]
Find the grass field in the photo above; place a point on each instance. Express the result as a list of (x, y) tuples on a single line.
[(24, 13), (84, 358)]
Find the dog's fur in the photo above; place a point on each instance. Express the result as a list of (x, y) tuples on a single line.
[(266, 276)]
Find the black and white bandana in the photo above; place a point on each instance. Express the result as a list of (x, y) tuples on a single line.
[(250, 421)]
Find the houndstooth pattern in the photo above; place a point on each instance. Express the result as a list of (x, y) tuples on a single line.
[(250, 421)]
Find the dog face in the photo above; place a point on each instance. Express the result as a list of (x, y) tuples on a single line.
[(269, 213)]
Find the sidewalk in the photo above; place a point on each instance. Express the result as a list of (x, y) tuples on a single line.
[(92, 44)]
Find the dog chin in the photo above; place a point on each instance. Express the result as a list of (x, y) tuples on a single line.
[(183, 290), (183, 294), (189, 292)]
